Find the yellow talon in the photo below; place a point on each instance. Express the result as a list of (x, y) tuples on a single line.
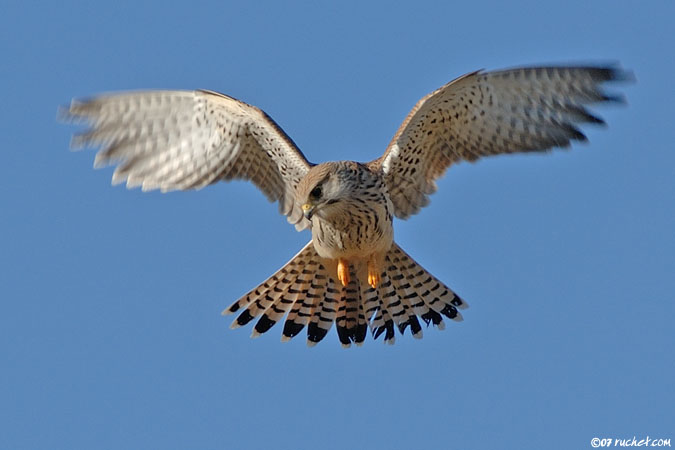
[(373, 274), (343, 271)]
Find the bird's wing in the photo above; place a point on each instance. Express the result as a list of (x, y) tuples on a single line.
[(178, 140), (489, 113)]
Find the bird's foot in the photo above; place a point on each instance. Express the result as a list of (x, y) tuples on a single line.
[(373, 273), (343, 271)]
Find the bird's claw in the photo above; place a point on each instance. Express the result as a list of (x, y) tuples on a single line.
[(343, 271), (373, 274)]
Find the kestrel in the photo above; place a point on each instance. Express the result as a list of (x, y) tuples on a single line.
[(352, 272)]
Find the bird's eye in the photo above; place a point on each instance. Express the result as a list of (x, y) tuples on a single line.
[(316, 192)]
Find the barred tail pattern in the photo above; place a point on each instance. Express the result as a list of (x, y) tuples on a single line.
[(306, 292)]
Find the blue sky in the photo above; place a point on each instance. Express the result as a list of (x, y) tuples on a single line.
[(111, 335)]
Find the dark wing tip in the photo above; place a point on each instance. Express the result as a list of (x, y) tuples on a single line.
[(574, 133), (611, 73), (613, 98), (599, 72), (615, 73)]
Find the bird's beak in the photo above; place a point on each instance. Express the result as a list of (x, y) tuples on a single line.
[(308, 210)]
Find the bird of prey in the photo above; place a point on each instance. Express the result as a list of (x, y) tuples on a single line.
[(351, 272)]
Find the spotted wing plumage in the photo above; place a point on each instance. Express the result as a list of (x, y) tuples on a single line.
[(178, 140), (489, 113)]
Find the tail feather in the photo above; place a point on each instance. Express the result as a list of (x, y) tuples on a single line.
[(298, 287), (391, 298), (418, 304), (279, 288), (387, 314), (361, 325), (433, 292), (370, 299), (304, 308), (306, 292), (352, 325), (324, 315), (383, 323), (405, 292)]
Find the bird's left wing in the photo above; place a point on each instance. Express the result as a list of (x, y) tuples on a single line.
[(178, 140), (489, 113)]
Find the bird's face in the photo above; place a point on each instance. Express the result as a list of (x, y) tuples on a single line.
[(323, 190)]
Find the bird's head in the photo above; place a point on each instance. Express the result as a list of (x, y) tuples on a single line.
[(324, 188)]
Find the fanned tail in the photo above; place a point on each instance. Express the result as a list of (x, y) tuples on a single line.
[(306, 291), (298, 280)]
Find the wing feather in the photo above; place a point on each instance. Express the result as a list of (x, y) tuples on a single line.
[(489, 113), (179, 140)]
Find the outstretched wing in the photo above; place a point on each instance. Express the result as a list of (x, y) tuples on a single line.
[(489, 113), (178, 140)]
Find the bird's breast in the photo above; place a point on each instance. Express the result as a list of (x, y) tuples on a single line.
[(360, 229)]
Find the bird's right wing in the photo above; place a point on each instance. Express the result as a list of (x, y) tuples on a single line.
[(179, 140)]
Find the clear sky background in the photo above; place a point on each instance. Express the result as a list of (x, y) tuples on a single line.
[(110, 332)]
